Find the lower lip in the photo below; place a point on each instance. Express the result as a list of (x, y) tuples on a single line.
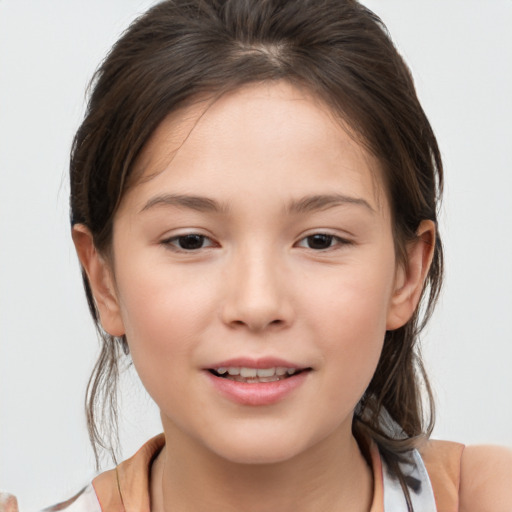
[(257, 393)]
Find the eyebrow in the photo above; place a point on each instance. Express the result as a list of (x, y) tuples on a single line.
[(199, 203), (325, 201), (304, 205)]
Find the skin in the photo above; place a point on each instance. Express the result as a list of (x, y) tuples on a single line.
[(486, 475), (256, 287)]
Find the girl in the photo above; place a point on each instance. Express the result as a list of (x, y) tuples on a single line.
[(254, 195)]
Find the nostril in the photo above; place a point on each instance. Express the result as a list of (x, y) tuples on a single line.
[(256, 325)]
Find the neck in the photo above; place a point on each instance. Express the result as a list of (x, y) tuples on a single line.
[(191, 478)]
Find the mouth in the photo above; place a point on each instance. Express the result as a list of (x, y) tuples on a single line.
[(256, 375)]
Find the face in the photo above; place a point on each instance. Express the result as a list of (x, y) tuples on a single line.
[(254, 274)]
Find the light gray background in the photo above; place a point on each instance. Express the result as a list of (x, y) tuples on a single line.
[(460, 52)]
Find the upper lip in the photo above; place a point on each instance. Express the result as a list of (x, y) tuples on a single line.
[(258, 363)]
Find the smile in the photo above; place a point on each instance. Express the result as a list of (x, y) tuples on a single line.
[(254, 375)]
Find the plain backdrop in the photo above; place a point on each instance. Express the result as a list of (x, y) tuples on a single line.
[(460, 52)]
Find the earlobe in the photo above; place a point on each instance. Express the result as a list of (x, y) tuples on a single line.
[(411, 277), (100, 280)]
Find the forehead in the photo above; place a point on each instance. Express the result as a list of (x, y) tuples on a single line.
[(265, 129)]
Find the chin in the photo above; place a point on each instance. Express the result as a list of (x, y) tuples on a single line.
[(257, 455), (260, 447)]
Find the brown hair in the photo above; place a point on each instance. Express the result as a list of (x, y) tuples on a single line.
[(338, 49)]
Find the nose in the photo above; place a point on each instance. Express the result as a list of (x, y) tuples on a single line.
[(256, 297)]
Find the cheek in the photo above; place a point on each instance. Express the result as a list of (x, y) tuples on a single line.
[(348, 313), (164, 315), (352, 302)]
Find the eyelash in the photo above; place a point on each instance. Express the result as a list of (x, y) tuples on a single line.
[(175, 241), (334, 241)]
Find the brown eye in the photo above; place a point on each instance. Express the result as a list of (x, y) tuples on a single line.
[(323, 242), (189, 242), (319, 241)]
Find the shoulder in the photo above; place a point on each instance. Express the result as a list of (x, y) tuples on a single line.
[(442, 460), (486, 479), (469, 479)]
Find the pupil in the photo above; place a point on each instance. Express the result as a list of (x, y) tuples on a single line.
[(191, 242), (319, 241)]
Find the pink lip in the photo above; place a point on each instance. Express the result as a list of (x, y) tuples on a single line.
[(260, 393), (247, 362)]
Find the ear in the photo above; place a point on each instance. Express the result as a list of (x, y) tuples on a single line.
[(101, 280), (410, 277)]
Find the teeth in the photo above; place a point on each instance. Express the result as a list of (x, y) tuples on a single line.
[(254, 380), (266, 372), (248, 372), (256, 374), (272, 378)]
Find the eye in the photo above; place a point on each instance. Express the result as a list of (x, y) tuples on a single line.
[(189, 242), (321, 241)]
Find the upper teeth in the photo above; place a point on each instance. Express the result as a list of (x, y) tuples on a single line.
[(255, 372)]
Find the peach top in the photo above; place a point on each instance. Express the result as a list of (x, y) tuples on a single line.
[(434, 470)]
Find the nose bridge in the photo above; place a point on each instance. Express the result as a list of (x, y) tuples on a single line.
[(256, 295)]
